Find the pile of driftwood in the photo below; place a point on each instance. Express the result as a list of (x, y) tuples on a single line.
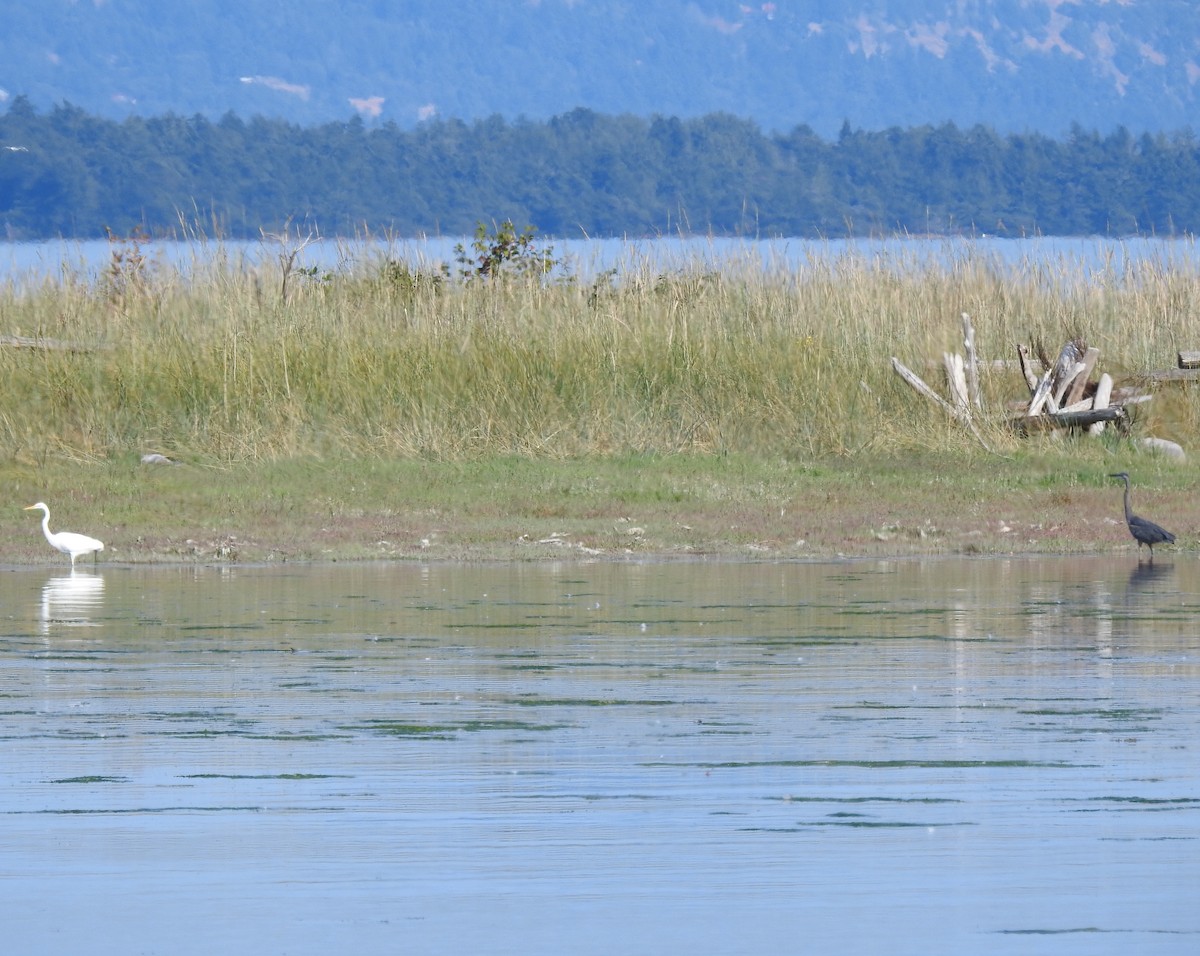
[(1062, 394)]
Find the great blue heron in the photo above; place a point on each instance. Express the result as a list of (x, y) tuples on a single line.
[(1143, 530), (68, 542)]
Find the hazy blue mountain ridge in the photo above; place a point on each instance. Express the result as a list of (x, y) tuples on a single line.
[(1015, 65)]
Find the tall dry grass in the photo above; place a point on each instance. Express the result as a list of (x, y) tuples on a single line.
[(227, 363)]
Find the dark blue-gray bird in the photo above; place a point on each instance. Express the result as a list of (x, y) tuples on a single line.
[(1143, 530)]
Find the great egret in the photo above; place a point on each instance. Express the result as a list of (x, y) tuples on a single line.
[(1143, 530), (68, 542)]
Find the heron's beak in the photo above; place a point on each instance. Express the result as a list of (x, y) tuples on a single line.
[(30, 508)]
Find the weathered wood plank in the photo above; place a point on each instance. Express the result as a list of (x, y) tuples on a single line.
[(956, 379), (1027, 369), (961, 415), (919, 385), (1090, 358), (972, 361), (1100, 400), (1067, 376), (1042, 397)]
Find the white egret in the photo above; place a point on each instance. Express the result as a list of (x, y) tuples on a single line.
[(68, 542)]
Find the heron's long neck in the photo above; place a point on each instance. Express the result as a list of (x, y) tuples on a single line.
[(46, 524), (1128, 510)]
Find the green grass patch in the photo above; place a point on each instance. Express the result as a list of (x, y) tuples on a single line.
[(685, 506)]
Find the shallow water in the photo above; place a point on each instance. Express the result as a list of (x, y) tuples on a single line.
[(921, 756)]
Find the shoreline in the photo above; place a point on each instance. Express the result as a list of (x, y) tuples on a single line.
[(672, 508)]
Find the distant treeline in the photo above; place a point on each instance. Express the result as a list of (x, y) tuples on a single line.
[(71, 174)]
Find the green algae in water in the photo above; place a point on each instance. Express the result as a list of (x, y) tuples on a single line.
[(449, 731)]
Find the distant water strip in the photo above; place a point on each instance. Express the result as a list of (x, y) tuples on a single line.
[(29, 264)]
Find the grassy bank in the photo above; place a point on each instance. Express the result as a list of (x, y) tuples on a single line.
[(381, 411), (615, 506)]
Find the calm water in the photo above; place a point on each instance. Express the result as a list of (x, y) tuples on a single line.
[(945, 756), (28, 263)]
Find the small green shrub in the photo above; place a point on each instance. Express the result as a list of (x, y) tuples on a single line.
[(505, 252)]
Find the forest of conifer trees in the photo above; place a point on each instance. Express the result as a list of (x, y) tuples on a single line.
[(66, 173)]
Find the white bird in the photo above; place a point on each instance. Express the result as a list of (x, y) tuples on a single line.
[(68, 542)]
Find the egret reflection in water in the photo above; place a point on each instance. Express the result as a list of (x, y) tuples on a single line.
[(71, 600)]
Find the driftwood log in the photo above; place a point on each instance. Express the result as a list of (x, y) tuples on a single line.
[(963, 378), (1062, 394), (1081, 419)]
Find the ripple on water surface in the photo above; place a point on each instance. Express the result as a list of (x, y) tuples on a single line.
[(619, 757)]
